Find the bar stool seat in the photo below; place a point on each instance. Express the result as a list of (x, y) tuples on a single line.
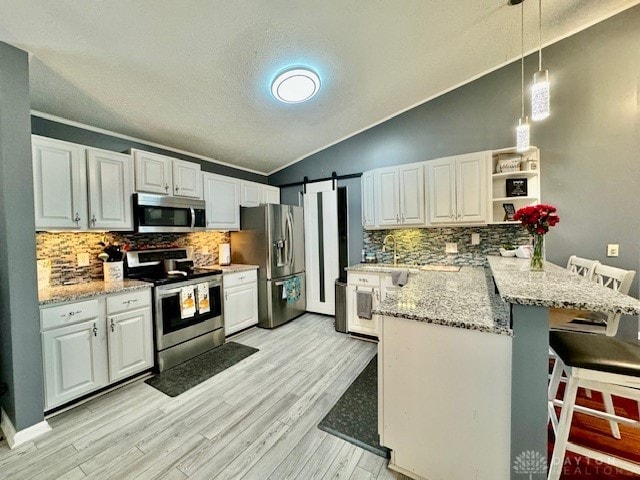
[(596, 352), (594, 362)]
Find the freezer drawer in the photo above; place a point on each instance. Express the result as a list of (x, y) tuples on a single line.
[(280, 310)]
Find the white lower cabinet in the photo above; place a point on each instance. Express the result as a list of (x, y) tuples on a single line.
[(368, 283), (240, 301), (130, 343), (88, 345), (75, 361)]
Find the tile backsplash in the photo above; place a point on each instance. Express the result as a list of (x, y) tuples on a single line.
[(424, 246), (61, 248)]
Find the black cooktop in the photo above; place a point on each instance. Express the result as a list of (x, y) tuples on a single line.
[(161, 278)]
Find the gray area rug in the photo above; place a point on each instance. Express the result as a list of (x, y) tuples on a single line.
[(354, 417), (182, 377)]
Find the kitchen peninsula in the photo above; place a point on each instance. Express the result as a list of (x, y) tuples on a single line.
[(462, 362)]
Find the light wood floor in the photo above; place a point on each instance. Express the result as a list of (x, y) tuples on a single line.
[(255, 421)]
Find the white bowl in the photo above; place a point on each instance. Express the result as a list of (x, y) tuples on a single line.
[(507, 253)]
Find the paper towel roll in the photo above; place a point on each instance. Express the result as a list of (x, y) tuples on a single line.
[(224, 254)]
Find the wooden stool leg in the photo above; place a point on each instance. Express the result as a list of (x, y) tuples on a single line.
[(562, 437), (608, 407)]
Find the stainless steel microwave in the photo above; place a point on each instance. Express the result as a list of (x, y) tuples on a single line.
[(162, 214)]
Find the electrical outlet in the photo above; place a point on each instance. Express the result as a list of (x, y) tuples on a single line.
[(475, 239), (451, 248), (83, 259), (613, 249)]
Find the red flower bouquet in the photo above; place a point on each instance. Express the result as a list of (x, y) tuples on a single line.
[(537, 219)]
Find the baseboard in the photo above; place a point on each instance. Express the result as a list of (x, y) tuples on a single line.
[(14, 438), (406, 473)]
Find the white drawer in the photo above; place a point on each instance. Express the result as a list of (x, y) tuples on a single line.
[(239, 278), (68, 314), (128, 301), (365, 279)]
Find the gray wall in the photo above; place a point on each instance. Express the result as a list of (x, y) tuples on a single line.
[(69, 133), (590, 146), (20, 347)]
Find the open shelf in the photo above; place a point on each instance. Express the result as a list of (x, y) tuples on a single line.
[(513, 199), (520, 173), (530, 170)]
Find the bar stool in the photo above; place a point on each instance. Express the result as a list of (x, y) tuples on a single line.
[(600, 363), (589, 322)]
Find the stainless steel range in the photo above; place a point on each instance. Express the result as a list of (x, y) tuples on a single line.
[(187, 303)]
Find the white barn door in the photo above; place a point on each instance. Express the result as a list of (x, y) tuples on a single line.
[(321, 246)]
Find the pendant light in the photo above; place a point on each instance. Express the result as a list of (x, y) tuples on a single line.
[(540, 105), (522, 130)]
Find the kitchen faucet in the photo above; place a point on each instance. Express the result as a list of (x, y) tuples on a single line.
[(395, 243)]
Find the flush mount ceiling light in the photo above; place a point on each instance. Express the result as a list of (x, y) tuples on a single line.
[(296, 85)]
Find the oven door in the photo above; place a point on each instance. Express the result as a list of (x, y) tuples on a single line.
[(171, 328)]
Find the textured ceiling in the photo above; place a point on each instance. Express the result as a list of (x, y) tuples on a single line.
[(195, 74)]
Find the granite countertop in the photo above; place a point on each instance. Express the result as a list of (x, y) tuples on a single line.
[(67, 293), (389, 268), (463, 299), (233, 268), (555, 287)]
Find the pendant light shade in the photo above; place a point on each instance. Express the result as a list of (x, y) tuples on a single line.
[(522, 134), (540, 102)]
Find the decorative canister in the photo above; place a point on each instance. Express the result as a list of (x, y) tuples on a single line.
[(113, 271)]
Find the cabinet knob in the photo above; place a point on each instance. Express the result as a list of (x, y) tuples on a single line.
[(113, 327), (177, 188), (93, 220), (77, 218), (166, 187), (402, 217), (226, 295), (95, 330)]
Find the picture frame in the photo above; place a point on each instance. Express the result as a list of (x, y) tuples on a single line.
[(509, 211), (516, 187)]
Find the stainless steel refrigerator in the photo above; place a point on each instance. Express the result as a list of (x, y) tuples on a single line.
[(272, 237)]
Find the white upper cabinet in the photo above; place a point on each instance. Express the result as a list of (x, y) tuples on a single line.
[(166, 175), (270, 194), (388, 207), (458, 188), (471, 187), (187, 179), (110, 188), (368, 200), (411, 194), (222, 197), (60, 188), (68, 178), (400, 195), (442, 191), (251, 194), (153, 172)]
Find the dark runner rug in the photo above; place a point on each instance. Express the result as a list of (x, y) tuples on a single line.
[(182, 377), (354, 417)]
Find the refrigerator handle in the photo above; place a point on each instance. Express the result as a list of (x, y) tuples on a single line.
[(290, 245)]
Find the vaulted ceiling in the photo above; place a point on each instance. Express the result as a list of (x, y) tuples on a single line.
[(196, 74)]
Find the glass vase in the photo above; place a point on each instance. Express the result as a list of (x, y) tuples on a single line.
[(536, 263)]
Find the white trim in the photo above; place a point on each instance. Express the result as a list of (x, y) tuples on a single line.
[(15, 439), (56, 118), (631, 4)]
